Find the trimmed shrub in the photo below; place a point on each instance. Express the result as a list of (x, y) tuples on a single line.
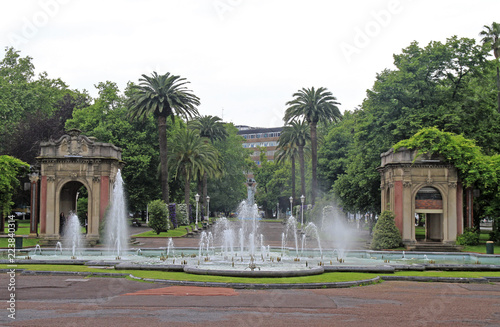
[(469, 237), (158, 216), (386, 234)]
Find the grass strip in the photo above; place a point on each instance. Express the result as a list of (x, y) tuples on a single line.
[(331, 277)]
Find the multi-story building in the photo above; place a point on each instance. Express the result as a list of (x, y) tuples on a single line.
[(257, 138)]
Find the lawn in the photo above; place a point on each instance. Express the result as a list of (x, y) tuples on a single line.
[(177, 232), (323, 278)]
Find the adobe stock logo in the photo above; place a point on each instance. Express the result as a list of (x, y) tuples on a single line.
[(32, 25), (224, 7), (371, 29)]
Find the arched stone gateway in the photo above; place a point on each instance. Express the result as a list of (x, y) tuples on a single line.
[(413, 184), (69, 163)]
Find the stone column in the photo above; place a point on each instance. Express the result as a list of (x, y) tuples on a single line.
[(34, 204)]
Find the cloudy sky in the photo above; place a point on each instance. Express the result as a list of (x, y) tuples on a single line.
[(244, 58)]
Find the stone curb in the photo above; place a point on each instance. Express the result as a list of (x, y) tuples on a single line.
[(440, 279), (263, 286), (63, 273)]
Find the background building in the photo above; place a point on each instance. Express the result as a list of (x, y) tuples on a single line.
[(256, 139)]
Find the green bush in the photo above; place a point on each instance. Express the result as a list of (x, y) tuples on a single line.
[(385, 234), (469, 237), (158, 216)]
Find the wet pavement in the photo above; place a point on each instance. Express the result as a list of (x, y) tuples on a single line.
[(75, 301)]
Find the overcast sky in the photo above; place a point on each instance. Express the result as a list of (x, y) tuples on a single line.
[(244, 58)]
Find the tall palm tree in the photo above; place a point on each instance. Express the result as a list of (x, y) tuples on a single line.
[(191, 157), (314, 105), (211, 129), (286, 152), (297, 135), (491, 36), (162, 96)]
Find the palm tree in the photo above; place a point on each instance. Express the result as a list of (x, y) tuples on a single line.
[(491, 36), (287, 152), (211, 129), (314, 106), (191, 157), (162, 96), (296, 135)]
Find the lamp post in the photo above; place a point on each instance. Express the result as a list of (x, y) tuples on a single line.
[(277, 211), (208, 207), (302, 199), (197, 198), (291, 206)]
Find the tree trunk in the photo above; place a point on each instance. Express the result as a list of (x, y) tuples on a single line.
[(200, 193), (186, 196), (162, 132), (314, 159), (205, 188), (302, 171), (498, 87), (293, 177)]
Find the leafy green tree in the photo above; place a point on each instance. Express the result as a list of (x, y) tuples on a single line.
[(273, 181), (444, 85), (190, 157), (158, 216), (491, 37), (285, 153), (333, 155), (297, 135), (11, 169), (229, 190), (474, 168), (385, 234), (106, 119), (313, 105), (32, 108), (163, 96)]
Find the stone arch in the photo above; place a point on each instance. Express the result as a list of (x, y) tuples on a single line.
[(73, 160), (408, 173), (60, 207), (435, 224)]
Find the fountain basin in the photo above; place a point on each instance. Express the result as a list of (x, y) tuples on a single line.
[(254, 273)]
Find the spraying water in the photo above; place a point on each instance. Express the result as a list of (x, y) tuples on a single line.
[(73, 234), (116, 220)]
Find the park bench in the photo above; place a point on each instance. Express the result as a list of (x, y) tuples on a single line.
[(136, 223), (188, 233)]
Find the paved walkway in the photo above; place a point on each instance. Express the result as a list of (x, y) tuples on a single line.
[(75, 301), (271, 231)]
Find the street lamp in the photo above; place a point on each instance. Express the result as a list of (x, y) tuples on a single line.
[(197, 198), (208, 207), (291, 206), (302, 199)]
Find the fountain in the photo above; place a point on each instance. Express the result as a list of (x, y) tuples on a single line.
[(233, 250), (58, 248), (170, 246), (116, 220), (73, 235)]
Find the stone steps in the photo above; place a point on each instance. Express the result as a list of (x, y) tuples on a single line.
[(435, 247)]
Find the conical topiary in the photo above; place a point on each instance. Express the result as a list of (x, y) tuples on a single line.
[(385, 234)]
